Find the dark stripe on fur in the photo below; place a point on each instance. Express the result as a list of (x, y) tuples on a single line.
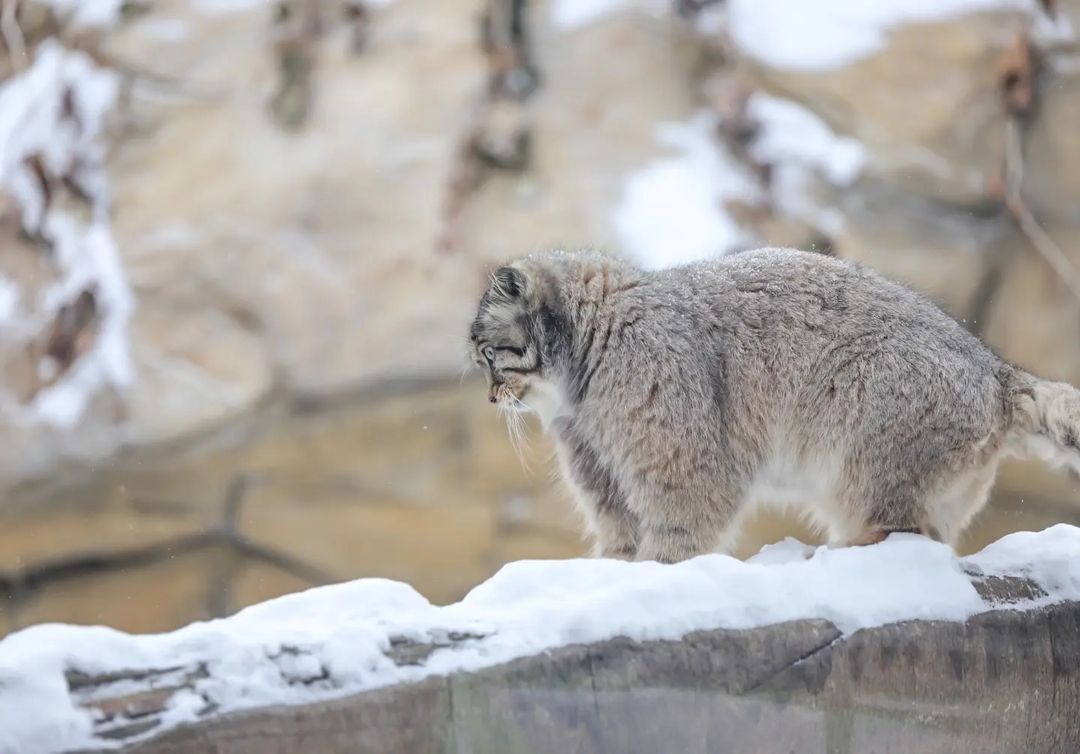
[(590, 474)]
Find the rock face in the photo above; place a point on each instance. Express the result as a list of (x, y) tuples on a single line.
[(1002, 682), (304, 200)]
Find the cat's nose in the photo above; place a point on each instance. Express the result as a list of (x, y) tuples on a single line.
[(493, 394)]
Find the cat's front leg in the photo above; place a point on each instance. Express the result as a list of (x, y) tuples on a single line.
[(614, 531), (611, 524), (679, 522)]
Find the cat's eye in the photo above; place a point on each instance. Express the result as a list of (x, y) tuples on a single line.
[(489, 354)]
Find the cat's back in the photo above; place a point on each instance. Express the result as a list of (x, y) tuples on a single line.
[(801, 316), (777, 271), (791, 287)]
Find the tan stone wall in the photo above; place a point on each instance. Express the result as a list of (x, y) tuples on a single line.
[(422, 487)]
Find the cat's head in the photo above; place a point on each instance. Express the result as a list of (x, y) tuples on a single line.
[(514, 337), (528, 336), (501, 340)]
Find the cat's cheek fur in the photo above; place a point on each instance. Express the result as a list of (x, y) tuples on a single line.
[(545, 399)]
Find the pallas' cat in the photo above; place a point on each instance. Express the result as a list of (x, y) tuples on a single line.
[(679, 398)]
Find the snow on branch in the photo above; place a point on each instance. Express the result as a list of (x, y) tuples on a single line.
[(52, 123)]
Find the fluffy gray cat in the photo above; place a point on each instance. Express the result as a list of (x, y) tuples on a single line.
[(679, 398)]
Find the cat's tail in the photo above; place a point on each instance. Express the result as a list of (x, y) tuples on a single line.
[(1045, 421)]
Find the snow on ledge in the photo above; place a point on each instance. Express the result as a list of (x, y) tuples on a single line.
[(828, 34), (335, 641)]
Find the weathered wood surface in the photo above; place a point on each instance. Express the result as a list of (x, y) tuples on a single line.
[(1004, 681)]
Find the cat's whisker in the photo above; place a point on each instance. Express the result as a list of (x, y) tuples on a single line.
[(464, 372), (510, 407), (518, 435)]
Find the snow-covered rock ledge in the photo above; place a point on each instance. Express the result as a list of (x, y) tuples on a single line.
[(794, 648)]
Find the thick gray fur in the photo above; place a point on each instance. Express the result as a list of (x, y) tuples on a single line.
[(679, 398)]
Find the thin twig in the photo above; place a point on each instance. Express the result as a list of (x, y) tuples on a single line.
[(13, 36), (1025, 220), (18, 584)]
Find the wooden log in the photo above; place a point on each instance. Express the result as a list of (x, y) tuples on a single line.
[(1003, 681)]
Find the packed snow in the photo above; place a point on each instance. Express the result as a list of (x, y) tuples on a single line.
[(827, 34), (33, 122), (671, 211), (340, 634)]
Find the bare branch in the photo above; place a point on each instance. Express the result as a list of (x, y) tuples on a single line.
[(13, 36), (1021, 213)]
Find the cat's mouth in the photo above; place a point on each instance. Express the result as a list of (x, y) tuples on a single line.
[(508, 396)]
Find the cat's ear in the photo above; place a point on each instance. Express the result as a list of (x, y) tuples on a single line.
[(508, 283)]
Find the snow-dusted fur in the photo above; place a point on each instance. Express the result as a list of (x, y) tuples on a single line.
[(679, 397)]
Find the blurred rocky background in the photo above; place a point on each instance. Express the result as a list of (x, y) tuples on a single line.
[(241, 241)]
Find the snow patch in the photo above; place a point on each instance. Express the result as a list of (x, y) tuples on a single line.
[(341, 634), (804, 153), (87, 13), (241, 6), (671, 211), (792, 133), (575, 14), (165, 29), (228, 6), (801, 148), (92, 261), (827, 34), (9, 300)]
